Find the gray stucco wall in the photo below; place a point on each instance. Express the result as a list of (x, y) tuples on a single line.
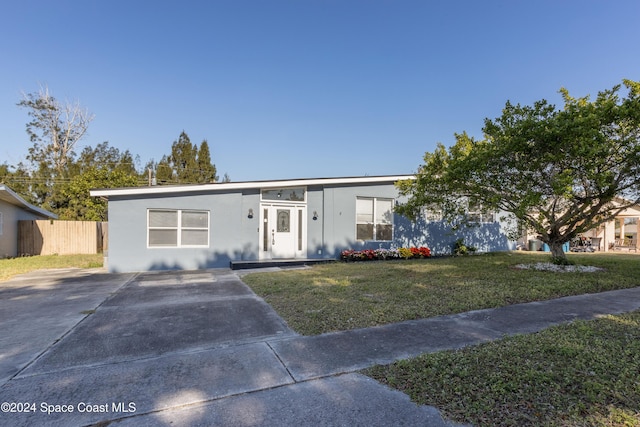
[(440, 238), (316, 247), (11, 214), (340, 228), (248, 232), (340, 216), (9, 231), (235, 236), (128, 233)]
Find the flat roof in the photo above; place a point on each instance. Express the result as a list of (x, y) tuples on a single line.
[(242, 185)]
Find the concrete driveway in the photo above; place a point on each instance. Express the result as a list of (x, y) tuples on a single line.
[(82, 347), (39, 308)]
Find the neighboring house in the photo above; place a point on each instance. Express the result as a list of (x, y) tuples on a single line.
[(210, 225), (13, 208), (621, 233)]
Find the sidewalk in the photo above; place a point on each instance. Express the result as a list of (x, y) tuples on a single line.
[(201, 349), (349, 351)]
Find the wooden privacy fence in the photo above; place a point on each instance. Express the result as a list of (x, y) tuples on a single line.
[(48, 237)]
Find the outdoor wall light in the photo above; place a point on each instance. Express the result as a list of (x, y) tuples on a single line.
[(250, 214), (315, 215)]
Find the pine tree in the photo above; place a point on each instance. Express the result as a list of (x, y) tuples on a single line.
[(206, 169), (183, 160), (187, 164), (164, 172)]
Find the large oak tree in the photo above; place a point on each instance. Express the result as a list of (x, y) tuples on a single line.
[(559, 172)]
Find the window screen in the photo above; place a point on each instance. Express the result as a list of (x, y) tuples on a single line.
[(178, 228), (374, 218)]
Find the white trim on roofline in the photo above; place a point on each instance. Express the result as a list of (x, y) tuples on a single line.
[(226, 186), (10, 196)]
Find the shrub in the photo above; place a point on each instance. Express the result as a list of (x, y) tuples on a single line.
[(405, 253), (386, 254), (382, 254), (423, 252), (459, 248), (350, 255)]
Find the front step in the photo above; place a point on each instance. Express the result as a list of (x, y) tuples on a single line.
[(244, 265)]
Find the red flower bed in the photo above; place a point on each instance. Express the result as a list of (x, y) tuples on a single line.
[(380, 254)]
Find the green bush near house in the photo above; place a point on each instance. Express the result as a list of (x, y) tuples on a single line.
[(460, 248)]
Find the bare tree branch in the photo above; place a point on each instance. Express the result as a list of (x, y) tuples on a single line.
[(54, 128)]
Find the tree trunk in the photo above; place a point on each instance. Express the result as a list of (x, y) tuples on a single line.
[(557, 252)]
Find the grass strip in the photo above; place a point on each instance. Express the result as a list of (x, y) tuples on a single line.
[(13, 266), (582, 374), (343, 296)]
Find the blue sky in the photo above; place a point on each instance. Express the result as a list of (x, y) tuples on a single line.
[(304, 88)]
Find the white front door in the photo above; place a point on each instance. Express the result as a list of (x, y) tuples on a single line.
[(283, 235), (283, 231)]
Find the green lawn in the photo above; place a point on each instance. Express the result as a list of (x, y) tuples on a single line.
[(586, 373), (342, 296), (578, 374), (14, 266)]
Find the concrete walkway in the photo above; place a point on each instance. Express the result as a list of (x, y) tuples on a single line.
[(200, 348)]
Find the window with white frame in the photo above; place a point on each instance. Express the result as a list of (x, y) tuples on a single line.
[(374, 219), (481, 217), (432, 214), (177, 228)]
